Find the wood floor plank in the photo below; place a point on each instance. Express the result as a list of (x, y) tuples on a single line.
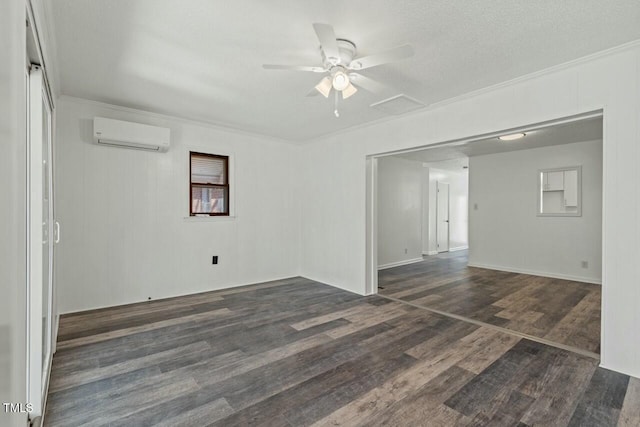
[(389, 312), (143, 328), (369, 406), (210, 372), (505, 409), (296, 352), (580, 324), (558, 310), (423, 403), (490, 351), (314, 321), (489, 390), (374, 371), (602, 401), (200, 416), (71, 380), (106, 411), (630, 413), (558, 389)]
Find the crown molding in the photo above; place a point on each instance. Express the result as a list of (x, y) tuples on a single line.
[(469, 95), (544, 72)]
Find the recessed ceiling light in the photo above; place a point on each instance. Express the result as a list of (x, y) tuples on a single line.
[(511, 137)]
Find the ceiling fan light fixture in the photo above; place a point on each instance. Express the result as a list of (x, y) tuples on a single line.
[(340, 80), (324, 87), (348, 91), (340, 60)]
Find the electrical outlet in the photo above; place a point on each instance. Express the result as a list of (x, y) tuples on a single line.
[(584, 264), (214, 259), (475, 206), (405, 250)]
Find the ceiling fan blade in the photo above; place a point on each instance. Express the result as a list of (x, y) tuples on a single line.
[(324, 86), (367, 83), (385, 57), (328, 43), (293, 68), (349, 91)]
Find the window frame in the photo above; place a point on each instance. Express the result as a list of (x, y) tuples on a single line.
[(226, 186)]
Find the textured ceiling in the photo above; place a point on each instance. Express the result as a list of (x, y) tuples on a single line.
[(454, 156), (201, 59)]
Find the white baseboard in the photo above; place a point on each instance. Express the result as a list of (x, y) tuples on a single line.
[(56, 328), (399, 263), (458, 248), (537, 273), (337, 285)]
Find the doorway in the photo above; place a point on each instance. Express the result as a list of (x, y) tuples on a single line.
[(442, 216), (532, 268), (41, 239), (43, 231)]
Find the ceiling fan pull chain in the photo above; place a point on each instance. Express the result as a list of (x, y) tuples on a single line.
[(335, 111)]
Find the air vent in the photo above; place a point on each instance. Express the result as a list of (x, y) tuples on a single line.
[(397, 105)]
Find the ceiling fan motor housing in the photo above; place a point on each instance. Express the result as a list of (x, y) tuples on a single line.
[(347, 51)]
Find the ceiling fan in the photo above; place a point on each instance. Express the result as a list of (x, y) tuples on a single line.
[(341, 66)]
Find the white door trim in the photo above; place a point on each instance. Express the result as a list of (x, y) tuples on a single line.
[(38, 369), (371, 187), (438, 219), (34, 242)]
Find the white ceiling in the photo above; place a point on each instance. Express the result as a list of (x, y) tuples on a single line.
[(201, 59), (454, 156)]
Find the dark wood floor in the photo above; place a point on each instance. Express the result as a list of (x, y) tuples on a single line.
[(297, 352), (558, 310)]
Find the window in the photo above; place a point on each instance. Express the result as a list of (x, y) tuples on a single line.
[(208, 184)]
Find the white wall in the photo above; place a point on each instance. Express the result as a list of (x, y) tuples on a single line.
[(399, 211), (428, 206), (458, 208), (334, 167), (507, 234), (432, 238), (12, 209), (406, 203), (126, 231)]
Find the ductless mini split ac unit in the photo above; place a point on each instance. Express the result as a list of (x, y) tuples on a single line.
[(118, 133)]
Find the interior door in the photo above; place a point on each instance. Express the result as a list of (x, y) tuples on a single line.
[(40, 241), (442, 217)]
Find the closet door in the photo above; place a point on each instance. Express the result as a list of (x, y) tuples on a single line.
[(40, 238)]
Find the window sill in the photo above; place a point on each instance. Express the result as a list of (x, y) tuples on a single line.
[(208, 218)]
